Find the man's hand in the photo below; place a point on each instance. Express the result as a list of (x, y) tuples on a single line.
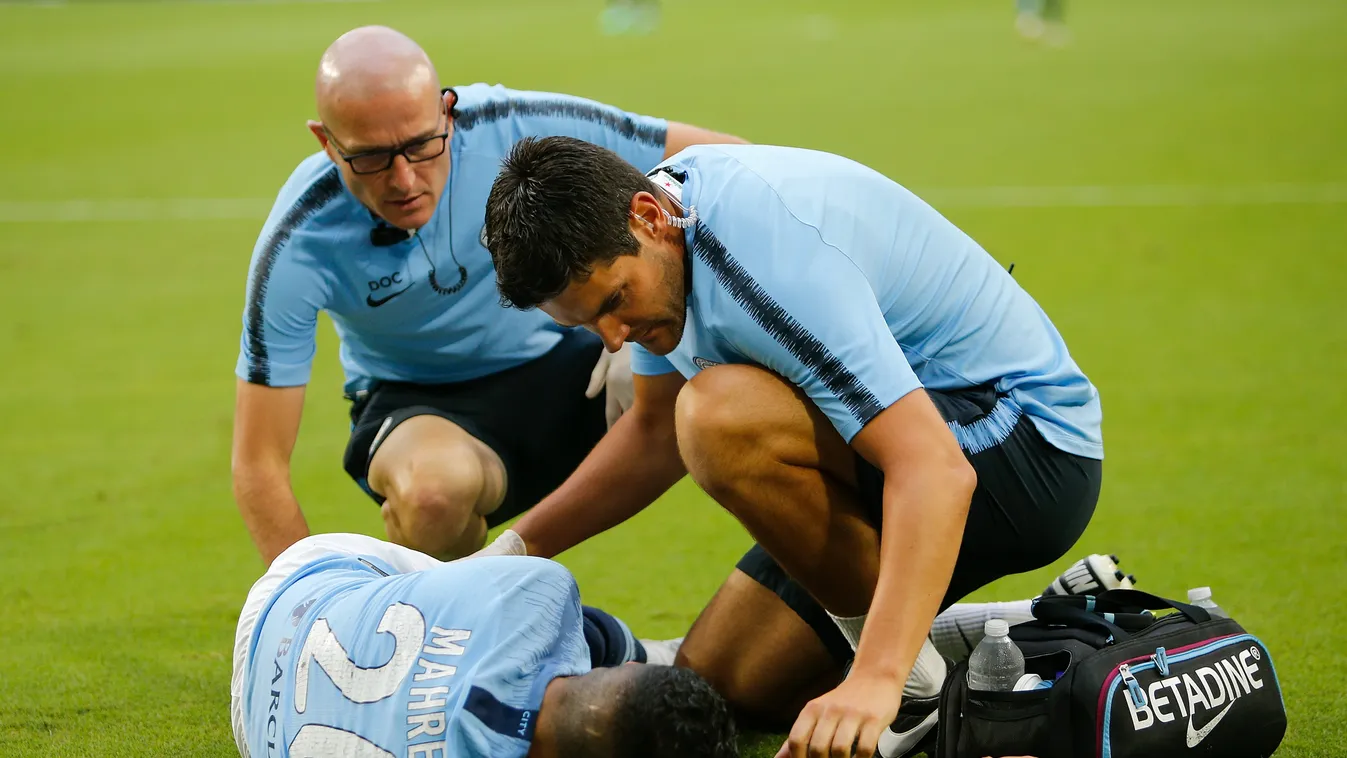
[(854, 714), (614, 372), (508, 543)]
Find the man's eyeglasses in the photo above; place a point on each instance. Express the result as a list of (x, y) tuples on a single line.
[(374, 161)]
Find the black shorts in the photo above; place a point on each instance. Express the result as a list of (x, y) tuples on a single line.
[(534, 416), (1031, 504)]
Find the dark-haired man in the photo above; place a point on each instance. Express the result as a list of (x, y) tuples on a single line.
[(829, 358), (352, 646)]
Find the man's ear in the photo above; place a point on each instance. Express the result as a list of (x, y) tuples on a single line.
[(318, 131), (450, 98), (646, 210)]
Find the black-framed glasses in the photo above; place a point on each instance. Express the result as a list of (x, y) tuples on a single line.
[(374, 161)]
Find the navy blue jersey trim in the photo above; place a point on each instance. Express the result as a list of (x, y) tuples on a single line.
[(499, 717), (608, 117), (319, 194), (783, 327)]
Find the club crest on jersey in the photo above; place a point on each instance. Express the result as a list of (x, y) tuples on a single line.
[(704, 363), (297, 614)]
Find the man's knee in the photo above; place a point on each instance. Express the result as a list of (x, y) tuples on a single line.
[(735, 422), (721, 396), (438, 496), (720, 413), (439, 492)]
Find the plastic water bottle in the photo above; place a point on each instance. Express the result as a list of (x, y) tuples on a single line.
[(996, 664), (1201, 597)]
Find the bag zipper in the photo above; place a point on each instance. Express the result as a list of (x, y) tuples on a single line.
[(1133, 686), (1161, 661)]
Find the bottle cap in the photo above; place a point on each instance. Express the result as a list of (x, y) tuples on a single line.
[(1198, 594), (996, 628), (1028, 682)]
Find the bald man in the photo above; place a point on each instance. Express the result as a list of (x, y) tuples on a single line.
[(464, 413)]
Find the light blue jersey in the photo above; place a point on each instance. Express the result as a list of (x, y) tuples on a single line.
[(315, 254), (451, 661), (855, 290)]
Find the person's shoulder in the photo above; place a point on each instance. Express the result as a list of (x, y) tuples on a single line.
[(714, 171), (311, 205), (748, 156), (474, 95), (515, 113), (315, 179), (482, 104)]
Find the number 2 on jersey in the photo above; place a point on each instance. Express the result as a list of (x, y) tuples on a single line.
[(359, 685)]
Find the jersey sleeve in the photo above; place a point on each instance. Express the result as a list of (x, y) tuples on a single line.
[(640, 140), (280, 315), (800, 307), (646, 363)]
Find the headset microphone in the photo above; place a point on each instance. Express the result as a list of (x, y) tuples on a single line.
[(383, 235)]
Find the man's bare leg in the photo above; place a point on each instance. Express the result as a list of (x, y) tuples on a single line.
[(762, 657), (440, 483)]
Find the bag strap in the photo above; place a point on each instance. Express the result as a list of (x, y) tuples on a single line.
[(1068, 614), (1126, 602), (1139, 599)]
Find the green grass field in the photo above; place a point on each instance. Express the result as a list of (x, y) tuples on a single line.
[(1172, 187)]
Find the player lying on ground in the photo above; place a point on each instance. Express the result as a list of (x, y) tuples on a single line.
[(354, 646), (464, 412), (824, 354), (351, 646)]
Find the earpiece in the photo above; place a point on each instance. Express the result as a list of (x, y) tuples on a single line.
[(673, 187), (678, 222), (683, 222)]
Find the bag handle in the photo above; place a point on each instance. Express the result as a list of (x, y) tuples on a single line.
[(1139, 599), (1125, 602), (1068, 614)]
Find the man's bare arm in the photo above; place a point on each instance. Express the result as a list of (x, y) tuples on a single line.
[(682, 136), (266, 425), (634, 463)]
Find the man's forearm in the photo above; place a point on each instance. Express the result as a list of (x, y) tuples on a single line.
[(270, 511), (924, 519), (632, 465)]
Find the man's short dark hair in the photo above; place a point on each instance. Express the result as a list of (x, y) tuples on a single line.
[(558, 208), (671, 712)]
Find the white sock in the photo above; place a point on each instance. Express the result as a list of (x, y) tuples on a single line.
[(928, 671), (959, 629), (851, 628)]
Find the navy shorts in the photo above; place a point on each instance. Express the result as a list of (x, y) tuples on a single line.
[(1031, 504), (535, 416)]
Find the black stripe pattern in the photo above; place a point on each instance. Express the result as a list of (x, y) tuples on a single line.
[(319, 194), (608, 117), (499, 717), (783, 327)]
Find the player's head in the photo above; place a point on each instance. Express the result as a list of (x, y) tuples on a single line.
[(378, 92), (583, 235), (639, 711)]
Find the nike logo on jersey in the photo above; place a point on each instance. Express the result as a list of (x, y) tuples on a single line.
[(1195, 736), (373, 303)]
